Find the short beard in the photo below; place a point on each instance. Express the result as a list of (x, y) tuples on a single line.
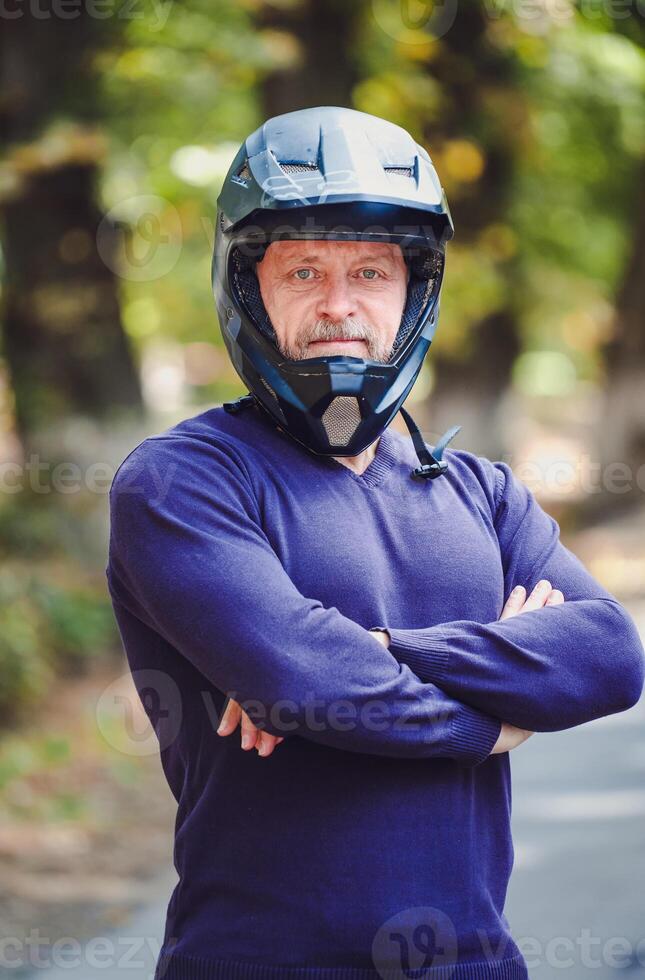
[(324, 329)]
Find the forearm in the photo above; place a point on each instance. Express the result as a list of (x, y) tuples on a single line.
[(331, 683), (545, 670)]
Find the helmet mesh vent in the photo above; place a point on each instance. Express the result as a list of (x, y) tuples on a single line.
[(244, 171), (400, 171), (299, 168), (341, 418)]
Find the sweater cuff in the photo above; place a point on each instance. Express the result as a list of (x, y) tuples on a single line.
[(425, 651), (473, 735)]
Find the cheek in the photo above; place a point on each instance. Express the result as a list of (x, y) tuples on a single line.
[(290, 309), (385, 310)]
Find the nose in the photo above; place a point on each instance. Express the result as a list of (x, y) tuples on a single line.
[(336, 300)]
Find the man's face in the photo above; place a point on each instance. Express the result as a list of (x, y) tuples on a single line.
[(327, 297)]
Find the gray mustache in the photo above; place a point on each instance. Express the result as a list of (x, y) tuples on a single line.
[(346, 329)]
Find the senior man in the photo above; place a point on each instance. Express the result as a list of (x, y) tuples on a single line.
[(292, 564)]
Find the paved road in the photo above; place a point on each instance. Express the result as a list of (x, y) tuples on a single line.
[(131, 952), (579, 833), (576, 902)]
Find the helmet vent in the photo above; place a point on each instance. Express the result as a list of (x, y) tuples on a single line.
[(299, 168), (399, 171), (244, 173), (269, 388), (277, 407), (341, 418)]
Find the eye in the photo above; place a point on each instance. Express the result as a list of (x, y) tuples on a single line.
[(305, 277), (370, 273)]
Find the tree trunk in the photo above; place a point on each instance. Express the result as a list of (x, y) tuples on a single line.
[(621, 431), (471, 392), (323, 72), (472, 74), (62, 333)]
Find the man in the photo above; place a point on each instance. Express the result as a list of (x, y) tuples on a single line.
[(349, 591)]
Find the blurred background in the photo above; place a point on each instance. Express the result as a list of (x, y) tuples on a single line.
[(118, 120)]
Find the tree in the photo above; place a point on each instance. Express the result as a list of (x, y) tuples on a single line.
[(621, 435), (474, 138), (322, 70), (63, 338)]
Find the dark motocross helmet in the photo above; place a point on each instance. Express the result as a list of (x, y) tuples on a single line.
[(337, 174)]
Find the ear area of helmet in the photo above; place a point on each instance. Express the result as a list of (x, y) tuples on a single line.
[(246, 287), (423, 263)]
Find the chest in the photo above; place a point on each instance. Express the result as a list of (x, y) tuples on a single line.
[(407, 553)]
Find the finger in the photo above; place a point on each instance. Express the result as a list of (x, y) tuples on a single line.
[(514, 602), (230, 719), (266, 743), (538, 596), (556, 598), (249, 732)]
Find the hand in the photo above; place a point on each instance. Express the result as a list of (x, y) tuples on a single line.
[(252, 736), (542, 595)]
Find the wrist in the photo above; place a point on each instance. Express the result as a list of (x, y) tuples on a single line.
[(382, 636)]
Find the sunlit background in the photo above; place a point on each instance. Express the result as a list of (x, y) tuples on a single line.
[(117, 127)]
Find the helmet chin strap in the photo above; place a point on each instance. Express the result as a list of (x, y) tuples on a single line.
[(432, 463)]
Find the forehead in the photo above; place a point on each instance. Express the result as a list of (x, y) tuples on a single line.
[(321, 251)]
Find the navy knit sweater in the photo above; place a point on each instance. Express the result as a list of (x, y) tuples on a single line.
[(374, 842)]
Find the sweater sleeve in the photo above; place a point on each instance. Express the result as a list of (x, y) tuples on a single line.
[(189, 557), (544, 670)]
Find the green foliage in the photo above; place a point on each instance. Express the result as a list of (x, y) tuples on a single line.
[(80, 624), (46, 632), (34, 777), (25, 667), (28, 530)]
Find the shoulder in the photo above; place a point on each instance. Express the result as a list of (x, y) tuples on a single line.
[(479, 475), (514, 505), (198, 457)]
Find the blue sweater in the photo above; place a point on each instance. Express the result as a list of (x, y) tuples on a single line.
[(375, 841)]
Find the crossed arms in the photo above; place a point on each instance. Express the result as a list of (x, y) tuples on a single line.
[(195, 565)]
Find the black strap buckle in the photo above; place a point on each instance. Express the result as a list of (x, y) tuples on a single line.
[(432, 465), (430, 471), (244, 401)]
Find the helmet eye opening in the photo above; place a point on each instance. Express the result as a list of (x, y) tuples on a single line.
[(425, 266)]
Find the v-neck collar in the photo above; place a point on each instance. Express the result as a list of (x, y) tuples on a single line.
[(380, 466), (387, 453)]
